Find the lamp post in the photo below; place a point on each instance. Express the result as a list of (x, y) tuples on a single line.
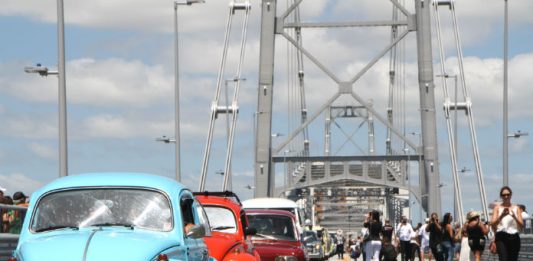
[(177, 85), (505, 105), (62, 91), (63, 169), (506, 134)]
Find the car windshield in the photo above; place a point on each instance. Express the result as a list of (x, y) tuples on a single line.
[(134, 208), (273, 227), (309, 236), (221, 219)]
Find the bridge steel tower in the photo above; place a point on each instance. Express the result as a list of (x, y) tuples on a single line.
[(273, 25)]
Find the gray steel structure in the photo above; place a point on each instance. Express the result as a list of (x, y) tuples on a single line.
[(381, 170)]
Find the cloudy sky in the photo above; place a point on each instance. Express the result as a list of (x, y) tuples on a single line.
[(120, 90)]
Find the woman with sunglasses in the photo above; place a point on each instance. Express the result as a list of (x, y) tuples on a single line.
[(507, 221)]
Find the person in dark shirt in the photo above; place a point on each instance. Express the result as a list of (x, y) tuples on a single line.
[(387, 231), (476, 231), (388, 251), (375, 227), (435, 237), (447, 236)]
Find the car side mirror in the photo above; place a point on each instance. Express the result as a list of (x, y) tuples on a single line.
[(250, 231), (196, 231)]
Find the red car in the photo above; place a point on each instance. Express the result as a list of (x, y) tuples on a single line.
[(276, 238), (230, 233)]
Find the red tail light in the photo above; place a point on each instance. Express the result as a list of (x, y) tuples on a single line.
[(162, 257), (12, 259)]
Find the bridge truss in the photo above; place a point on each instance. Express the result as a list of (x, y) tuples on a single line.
[(343, 184)]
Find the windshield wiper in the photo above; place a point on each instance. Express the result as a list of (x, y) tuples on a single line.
[(222, 227), (130, 226), (55, 227)]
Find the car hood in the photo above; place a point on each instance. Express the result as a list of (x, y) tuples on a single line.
[(105, 244)]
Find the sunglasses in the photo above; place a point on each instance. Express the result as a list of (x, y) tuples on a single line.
[(505, 195)]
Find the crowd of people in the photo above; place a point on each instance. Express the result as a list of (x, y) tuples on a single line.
[(438, 238), (12, 219)]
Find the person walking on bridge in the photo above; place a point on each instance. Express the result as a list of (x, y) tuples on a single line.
[(435, 237), (404, 232), (476, 231), (507, 222), (448, 236), (373, 247)]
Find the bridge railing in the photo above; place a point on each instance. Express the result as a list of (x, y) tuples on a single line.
[(8, 241)]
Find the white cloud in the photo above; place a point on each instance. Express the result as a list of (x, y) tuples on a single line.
[(519, 145), (14, 182), (158, 15), (108, 82), (43, 151), (29, 126), (155, 16)]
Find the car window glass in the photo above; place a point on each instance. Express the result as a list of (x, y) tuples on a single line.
[(203, 218), (221, 219), (97, 207), (244, 220), (273, 226), (187, 212)]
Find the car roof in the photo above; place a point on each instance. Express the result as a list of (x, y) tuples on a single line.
[(218, 201), (269, 212), (119, 179), (269, 203)]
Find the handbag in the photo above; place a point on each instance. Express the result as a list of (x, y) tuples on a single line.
[(492, 247)]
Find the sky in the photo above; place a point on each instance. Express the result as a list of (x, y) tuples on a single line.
[(120, 87)]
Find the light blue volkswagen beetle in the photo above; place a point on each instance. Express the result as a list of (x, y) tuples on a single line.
[(113, 216)]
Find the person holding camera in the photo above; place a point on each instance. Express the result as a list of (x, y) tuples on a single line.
[(507, 222), (435, 237)]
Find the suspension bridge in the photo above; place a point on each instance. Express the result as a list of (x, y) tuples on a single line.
[(355, 145), (353, 150)]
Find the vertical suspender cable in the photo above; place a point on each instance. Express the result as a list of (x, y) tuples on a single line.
[(470, 114), (229, 152), (453, 155), (205, 162)]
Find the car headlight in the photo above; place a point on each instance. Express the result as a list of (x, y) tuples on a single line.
[(317, 246), (286, 258)]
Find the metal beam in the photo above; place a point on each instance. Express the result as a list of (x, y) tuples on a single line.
[(281, 159), (430, 177), (264, 178), (346, 24)]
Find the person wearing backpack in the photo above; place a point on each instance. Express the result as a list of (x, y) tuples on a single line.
[(476, 231)]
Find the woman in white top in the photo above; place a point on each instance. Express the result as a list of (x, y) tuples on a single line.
[(507, 221)]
